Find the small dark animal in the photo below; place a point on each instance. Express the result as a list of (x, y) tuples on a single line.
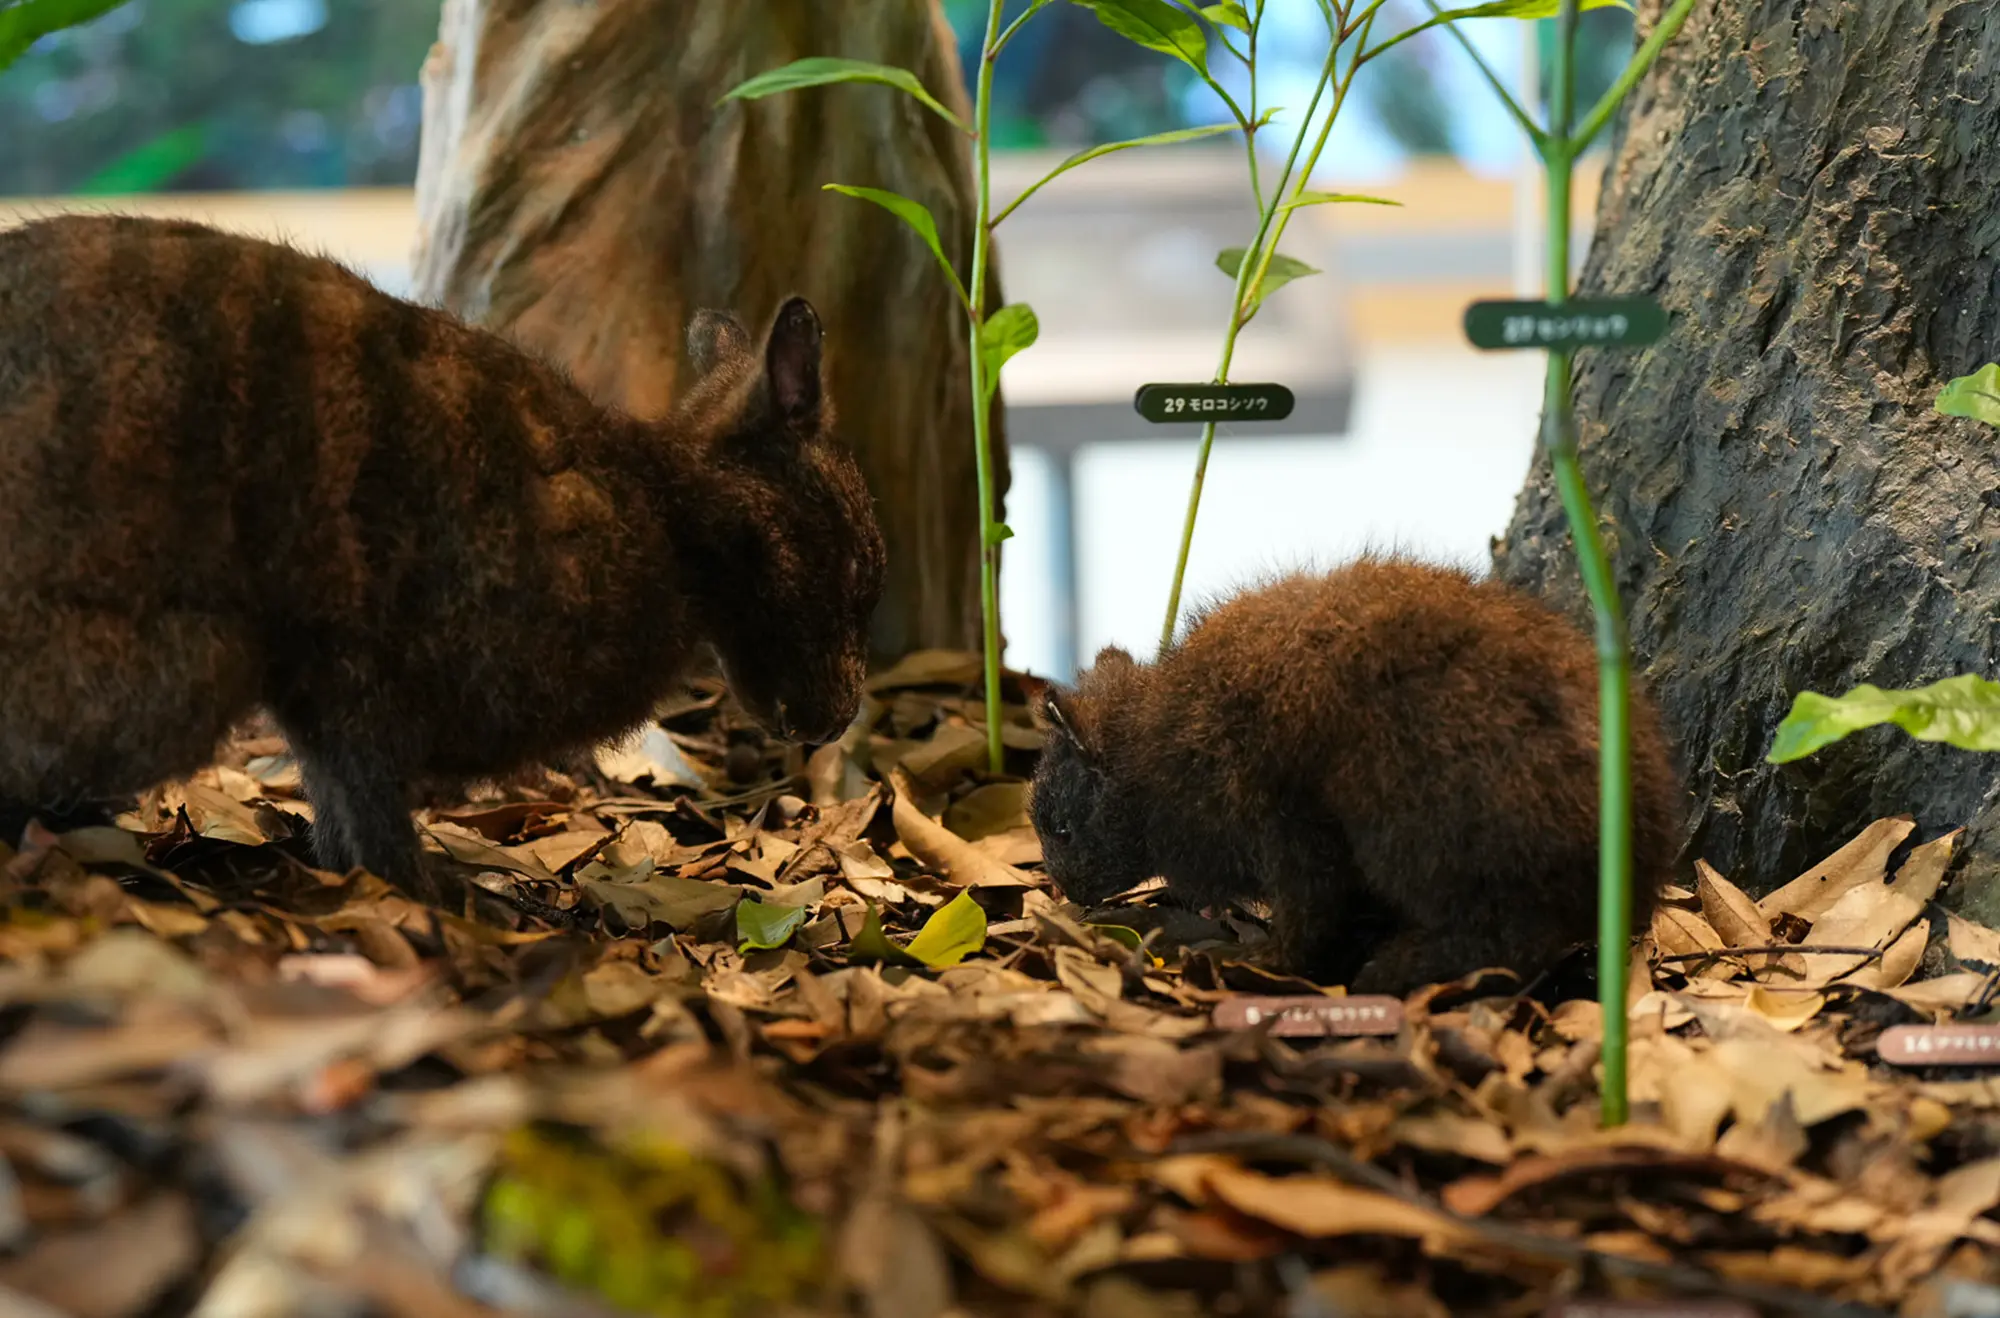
[(1400, 758), (236, 475)]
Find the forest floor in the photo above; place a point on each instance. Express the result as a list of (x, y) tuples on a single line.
[(674, 1053)]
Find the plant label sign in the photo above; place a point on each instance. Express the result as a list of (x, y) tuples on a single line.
[(1620, 322), (1309, 1015), (1707, 1308), (1940, 1045), (1167, 403)]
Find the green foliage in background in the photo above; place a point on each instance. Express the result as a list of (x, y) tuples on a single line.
[(1962, 711), (648, 1226), (1976, 395), (155, 95), (952, 933), (25, 22)]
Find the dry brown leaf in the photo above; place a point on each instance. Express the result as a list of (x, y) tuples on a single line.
[(1897, 964), (1960, 1197), (1476, 1196), (1155, 1070), (985, 811), (1951, 992), (116, 1269), (1863, 860), (1690, 1085), (558, 851), (938, 847), (1973, 942), (1773, 1142), (1786, 1009), (1866, 915), (1448, 1132), (960, 668), (1731, 912), (1792, 1267), (467, 847), (1683, 933), (1317, 1207)]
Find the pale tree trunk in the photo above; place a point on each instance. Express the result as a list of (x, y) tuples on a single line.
[(580, 189), (1812, 188)]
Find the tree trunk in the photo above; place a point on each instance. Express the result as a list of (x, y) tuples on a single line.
[(1812, 188), (580, 189)]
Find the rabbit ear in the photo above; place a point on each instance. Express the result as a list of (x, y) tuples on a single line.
[(713, 336), (1052, 706), (1113, 658), (792, 362)]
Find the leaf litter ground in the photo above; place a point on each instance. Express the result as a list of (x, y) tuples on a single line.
[(721, 1030)]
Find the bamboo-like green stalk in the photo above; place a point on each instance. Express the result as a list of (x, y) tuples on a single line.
[(1558, 147), (982, 394), (1614, 896), (1271, 221)]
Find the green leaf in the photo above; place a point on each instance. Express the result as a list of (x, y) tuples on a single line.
[(821, 71), (871, 944), (955, 931), (1005, 333), (1961, 711), (1000, 534), (1119, 933), (25, 23), (761, 927), (1526, 8), (1281, 271), (1092, 153), (1156, 25), (150, 165), (1491, 9), (1227, 14), (918, 217), (1976, 395), (1332, 198)]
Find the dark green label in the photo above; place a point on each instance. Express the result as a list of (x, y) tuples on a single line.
[(1612, 322), (1213, 402)]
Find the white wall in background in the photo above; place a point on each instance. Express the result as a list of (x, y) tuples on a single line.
[(1441, 438)]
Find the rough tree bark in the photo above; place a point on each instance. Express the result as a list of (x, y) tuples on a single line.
[(580, 189), (1812, 188)]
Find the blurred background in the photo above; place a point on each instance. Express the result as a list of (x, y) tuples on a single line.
[(301, 117)]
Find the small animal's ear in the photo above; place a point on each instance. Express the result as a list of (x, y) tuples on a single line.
[(1051, 705), (1113, 659), (791, 362), (713, 336)]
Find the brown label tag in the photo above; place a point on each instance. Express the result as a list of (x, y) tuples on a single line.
[(1940, 1045), (1307, 1014), (1704, 1308)]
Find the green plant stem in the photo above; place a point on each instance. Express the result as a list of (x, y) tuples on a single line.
[(982, 394), (1614, 897), (1250, 133), (1642, 59), (1271, 215), (1514, 107)]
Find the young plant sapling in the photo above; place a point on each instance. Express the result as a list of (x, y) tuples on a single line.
[(1558, 146), (1961, 711), (998, 336), (1260, 269)]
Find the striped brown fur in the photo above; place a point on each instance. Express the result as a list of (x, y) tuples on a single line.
[(235, 475), (1400, 758)]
